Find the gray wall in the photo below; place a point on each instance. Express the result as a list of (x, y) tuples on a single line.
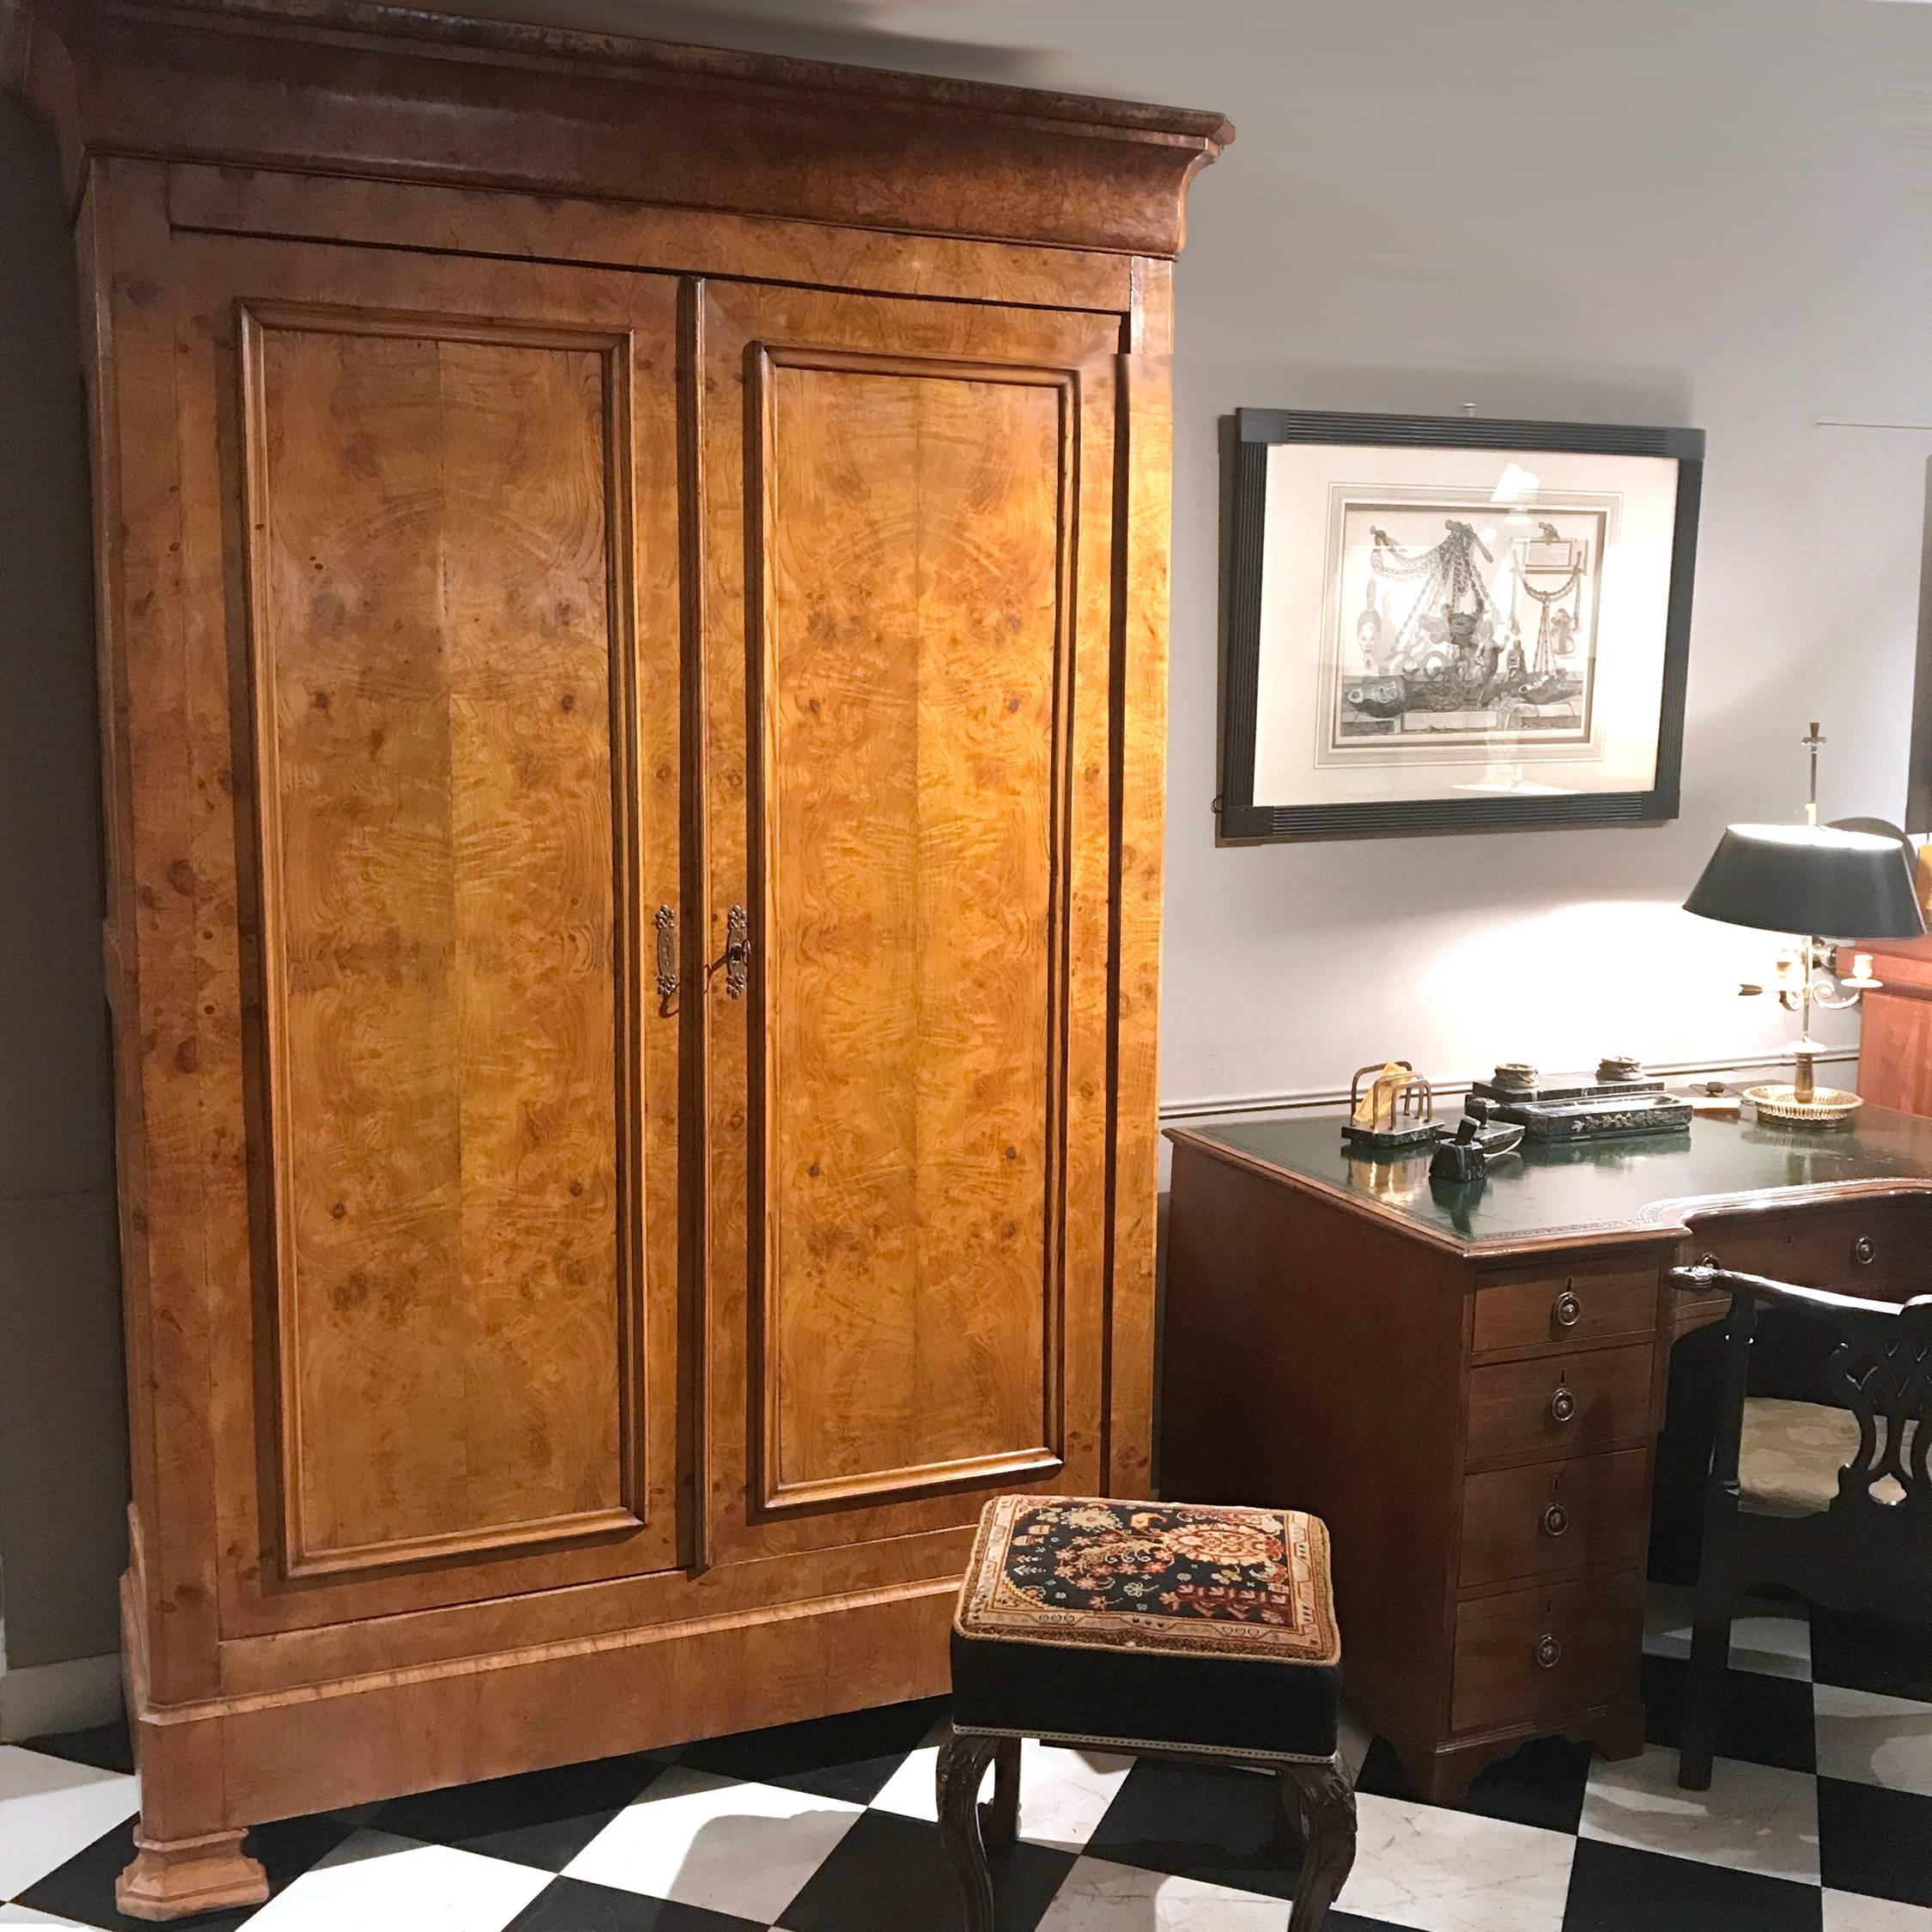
[(1712, 213), (1717, 213), (63, 1441)]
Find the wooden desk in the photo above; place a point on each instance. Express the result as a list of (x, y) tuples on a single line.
[(1468, 1385)]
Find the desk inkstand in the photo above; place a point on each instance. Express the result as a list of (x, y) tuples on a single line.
[(1623, 1099)]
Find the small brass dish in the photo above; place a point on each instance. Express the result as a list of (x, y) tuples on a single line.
[(1784, 1105)]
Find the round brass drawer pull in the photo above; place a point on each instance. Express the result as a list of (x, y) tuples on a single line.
[(1549, 1653), (1556, 1520), (1562, 1404), (1569, 1310)]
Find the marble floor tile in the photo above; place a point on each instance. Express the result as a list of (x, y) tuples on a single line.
[(375, 1882), (1760, 1719), (1874, 1840), (1770, 1637), (1540, 1784), (541, 1818), (1871, 1738), (847, 1757), (1100, 1896), (1871, 1654), (1618, 1888), (1215, 1824), (743, 1849), (1064, 1794), (1756, 1818), (910, 1791), (1438, 1870), (569, 1905), (50, 1808), (889, 1874), (1852, 1911)]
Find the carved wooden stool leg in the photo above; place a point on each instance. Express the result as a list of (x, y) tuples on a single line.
[(963, 1763), (1000, 1818), (1323, 1801), (179, 1878)]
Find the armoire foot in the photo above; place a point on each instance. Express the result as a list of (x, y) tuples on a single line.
[(177, 1878)]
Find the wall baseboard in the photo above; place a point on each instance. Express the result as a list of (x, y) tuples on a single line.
[(1326, 1099), (41, 1700)]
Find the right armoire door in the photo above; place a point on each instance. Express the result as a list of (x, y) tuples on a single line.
[(907, 586)]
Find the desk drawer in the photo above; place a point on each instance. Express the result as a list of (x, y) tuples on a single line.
[(1542, 1653), (1559, 1405), (1541, 1519), (1859, 1247), (1696, 1311), (1562, 1311)]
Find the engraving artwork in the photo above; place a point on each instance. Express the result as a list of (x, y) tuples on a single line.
[(1454, 624)]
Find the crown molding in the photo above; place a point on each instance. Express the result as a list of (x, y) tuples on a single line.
[(340, 87)]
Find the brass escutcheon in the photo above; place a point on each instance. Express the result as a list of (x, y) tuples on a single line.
[(666, 923)]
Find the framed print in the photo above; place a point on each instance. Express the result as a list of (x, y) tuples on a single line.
[(1444, 624)]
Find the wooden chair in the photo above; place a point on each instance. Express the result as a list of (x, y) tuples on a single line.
[(1831, 1500), (1171, 1630)]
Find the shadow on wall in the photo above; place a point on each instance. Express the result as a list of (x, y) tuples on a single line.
[(63, 1429), (863, 33)]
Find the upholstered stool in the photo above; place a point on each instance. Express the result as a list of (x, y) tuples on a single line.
[(1176, 1629)]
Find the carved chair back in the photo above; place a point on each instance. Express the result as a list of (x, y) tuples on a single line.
[(1882, 1369), (1879, 1370)]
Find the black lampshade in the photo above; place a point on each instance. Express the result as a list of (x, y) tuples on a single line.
[(1810, 878)]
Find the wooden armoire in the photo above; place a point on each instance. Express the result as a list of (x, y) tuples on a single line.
[(633, 593)]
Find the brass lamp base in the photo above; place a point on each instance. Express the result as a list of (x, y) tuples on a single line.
[(1785, 1107), (1804, 1102)]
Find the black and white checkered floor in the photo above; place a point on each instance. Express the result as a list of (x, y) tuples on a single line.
[(1818, 1819)]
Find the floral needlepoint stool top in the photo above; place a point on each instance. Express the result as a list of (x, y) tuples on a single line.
[(1187, 1628), (1174, 1627), (1164, 1576)]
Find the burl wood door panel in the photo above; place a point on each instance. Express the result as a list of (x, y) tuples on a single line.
[(436, 762), (919, 1147), (457, 664)]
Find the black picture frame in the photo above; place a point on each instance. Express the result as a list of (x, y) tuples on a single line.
[(1241, 820)]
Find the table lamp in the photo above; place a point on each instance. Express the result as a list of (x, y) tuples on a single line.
[(1810, 880)]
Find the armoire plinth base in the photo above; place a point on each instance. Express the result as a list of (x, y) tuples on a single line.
[(252, 1758)]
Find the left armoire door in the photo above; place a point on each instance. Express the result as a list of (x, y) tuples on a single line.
[(429, 603)]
